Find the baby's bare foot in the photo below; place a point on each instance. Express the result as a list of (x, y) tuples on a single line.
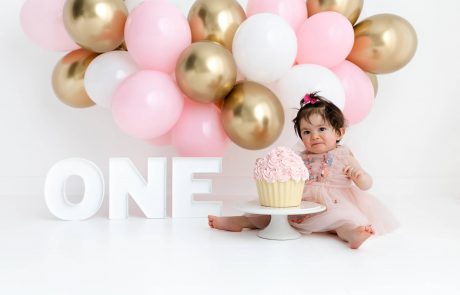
[(224, 223), (359, 235)]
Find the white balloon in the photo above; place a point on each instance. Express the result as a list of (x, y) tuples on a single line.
[(105, 73), (264, 47), (308, 78)]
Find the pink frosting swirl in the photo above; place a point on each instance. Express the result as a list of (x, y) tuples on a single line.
[(280, 164)]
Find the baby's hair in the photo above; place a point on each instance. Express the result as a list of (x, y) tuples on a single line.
[(311, 104)]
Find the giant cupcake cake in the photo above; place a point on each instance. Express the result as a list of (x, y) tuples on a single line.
[(280, 177)]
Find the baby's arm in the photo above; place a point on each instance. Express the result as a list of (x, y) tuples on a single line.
[(360, 177)]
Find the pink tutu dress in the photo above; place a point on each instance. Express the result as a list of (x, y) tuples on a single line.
[(345, 202)]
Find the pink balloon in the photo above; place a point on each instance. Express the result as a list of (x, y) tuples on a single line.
[(44, 25), (199, 131), (293, 11), (359, 92), (326, 39), (156, 33), (147, 104)]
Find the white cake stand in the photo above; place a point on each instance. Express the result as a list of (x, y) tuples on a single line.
[(279, 227)]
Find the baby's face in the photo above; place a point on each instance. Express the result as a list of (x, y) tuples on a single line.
[(317, 135)]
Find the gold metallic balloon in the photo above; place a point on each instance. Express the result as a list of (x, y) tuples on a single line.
[(97, 25), (349, 8), (206, 71), (68, 77), (375, 82), (215, 20), (384, 43), (252, 115)]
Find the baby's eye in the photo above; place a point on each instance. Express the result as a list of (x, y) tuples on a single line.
[(305, 132), (322, 129)]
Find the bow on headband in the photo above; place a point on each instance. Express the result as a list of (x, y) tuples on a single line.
[(309, 99)]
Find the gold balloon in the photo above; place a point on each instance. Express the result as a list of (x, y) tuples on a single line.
[(97, 25), (68, 77), (252, 116), (205, 71), (384, 43), (349, 8), (375, 82), (215, 20)]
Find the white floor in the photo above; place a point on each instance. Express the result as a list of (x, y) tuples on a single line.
[(42, 255)]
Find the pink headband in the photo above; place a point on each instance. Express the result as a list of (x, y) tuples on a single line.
[(308, 99)]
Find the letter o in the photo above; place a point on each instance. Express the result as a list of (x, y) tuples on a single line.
[(55, 197)]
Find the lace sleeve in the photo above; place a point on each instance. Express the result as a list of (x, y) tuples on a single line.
[(344, 153)]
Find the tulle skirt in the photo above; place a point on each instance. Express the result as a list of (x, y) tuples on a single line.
[(345, 205)]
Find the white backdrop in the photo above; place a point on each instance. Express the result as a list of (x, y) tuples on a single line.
[(408, 143)]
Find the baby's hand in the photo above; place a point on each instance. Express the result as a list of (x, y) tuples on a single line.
[(297, 218), (353, 172)]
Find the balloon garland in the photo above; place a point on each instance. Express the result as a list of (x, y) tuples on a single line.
[(223, 73)]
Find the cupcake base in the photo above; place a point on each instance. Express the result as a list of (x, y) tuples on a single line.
[(280, 194)]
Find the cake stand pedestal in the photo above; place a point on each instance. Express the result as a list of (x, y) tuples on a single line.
[(279, 227)]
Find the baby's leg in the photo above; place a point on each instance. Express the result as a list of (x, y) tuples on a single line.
[(237, 223), (354, 235)]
